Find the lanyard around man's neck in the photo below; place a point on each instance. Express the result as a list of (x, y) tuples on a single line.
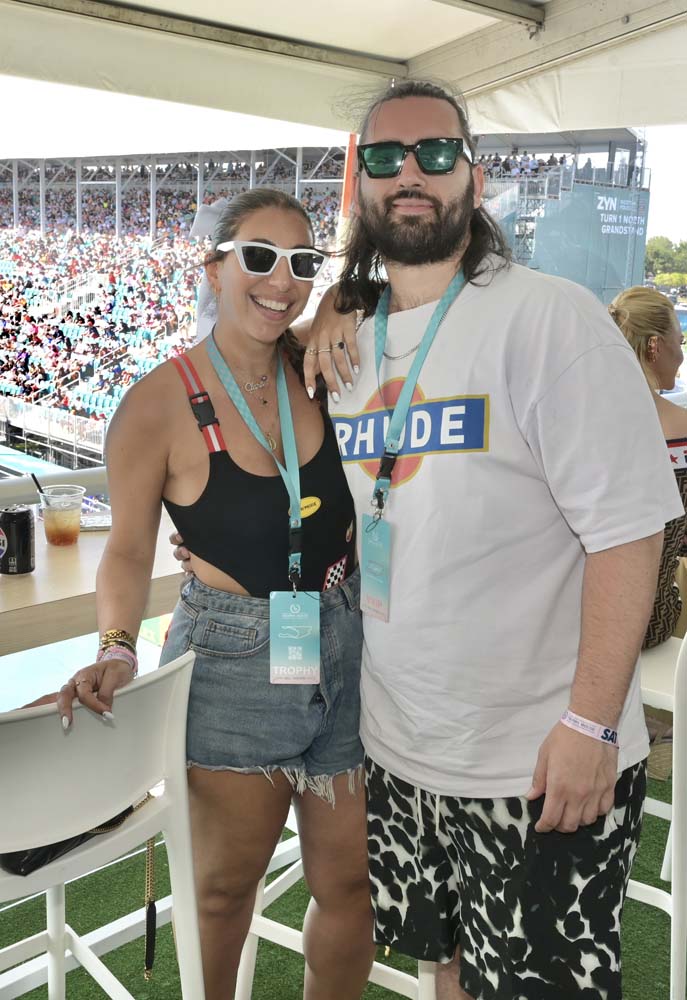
[(400, 412)]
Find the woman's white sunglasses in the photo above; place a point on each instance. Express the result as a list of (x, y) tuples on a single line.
[(262, 258)]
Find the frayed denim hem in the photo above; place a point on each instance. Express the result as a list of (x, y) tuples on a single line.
[(321, 785)]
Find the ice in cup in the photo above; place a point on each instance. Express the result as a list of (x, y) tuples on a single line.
[(61, 508)]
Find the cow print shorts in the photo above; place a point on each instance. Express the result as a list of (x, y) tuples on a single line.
[(536, 915)]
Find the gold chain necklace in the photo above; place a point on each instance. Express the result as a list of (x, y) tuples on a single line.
[(269, 436), (258, 387)]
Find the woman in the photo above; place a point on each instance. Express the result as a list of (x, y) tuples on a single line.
[(649, 323), (250, 743)]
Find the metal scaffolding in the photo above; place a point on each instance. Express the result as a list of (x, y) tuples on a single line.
[(57, 193)]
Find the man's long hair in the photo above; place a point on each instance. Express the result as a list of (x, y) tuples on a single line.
[(362, 278)]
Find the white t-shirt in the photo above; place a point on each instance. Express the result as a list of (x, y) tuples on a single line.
[(533, 439)]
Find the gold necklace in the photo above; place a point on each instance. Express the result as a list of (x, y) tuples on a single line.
[(254, 387), (258, 386), (269, 437)]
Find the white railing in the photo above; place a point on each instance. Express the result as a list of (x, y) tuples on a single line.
[(54, 424), (501, 197), (77, 292)]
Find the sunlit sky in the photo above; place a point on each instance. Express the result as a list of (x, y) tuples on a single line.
[(55, 120), (666, 147)]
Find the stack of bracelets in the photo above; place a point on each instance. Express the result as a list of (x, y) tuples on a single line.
[(117, 644)]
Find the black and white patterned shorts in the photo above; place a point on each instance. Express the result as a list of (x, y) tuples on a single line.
[(536, 915)]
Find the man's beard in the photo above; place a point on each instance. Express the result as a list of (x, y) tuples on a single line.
[(418, 239)]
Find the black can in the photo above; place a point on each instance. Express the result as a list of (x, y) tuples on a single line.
[(17, 553)]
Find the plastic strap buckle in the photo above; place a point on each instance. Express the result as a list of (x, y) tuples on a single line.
[(295, 541), (203, 410), (386, 465)]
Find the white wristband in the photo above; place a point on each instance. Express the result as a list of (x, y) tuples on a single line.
[(602, 733)]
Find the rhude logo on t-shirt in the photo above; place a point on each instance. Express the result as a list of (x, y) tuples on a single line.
[(433, 426)]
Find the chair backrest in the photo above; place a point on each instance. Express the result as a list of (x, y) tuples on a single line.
[(56, 784)]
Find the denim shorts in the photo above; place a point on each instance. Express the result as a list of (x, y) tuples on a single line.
[(238, 720)]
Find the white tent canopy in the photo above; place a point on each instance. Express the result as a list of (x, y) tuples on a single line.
[(42, 119), (539, 66)]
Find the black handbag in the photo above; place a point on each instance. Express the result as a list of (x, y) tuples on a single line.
[(26, 862)]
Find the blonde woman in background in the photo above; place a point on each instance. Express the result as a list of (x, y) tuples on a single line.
[(650, 324)]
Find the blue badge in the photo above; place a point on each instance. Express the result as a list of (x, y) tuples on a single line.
[(294, 637), (374, 567)]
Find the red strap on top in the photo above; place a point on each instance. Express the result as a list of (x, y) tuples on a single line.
[(201, 404)]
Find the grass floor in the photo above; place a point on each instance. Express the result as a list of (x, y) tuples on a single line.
[(110, 894)]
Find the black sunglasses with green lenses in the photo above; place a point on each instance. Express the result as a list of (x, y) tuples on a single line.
[(434, 156)]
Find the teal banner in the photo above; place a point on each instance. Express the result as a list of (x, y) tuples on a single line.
[(595, 236)]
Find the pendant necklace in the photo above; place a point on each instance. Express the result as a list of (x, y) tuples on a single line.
[(258, 387)]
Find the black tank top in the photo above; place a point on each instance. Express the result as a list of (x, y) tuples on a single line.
[(239, 523)]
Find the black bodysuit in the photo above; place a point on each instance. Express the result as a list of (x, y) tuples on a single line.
[(240, 521)]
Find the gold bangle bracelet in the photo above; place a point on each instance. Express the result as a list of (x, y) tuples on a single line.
[(113, 636)]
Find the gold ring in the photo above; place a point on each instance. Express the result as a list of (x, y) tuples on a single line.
[(340, 344), (311, 350), (325, 350), (82, 681)]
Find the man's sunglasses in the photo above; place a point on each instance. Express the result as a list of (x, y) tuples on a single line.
[(262, 258), (434, 156)]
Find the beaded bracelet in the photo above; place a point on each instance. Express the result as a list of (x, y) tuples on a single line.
[(119, 653), (597, 732)]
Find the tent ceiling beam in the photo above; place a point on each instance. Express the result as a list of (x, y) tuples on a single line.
[(504, 10), (236, 38), (501, 54)]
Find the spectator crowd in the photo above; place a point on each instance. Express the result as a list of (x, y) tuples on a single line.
[(128, 307), (138, 309), (521, 165)]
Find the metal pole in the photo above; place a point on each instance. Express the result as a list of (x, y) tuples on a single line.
[(15, 194), (299, 171), (118, 197), (610, 168), (200, 191), (153, 198), (41, 194), (252, 169), (79, 207)]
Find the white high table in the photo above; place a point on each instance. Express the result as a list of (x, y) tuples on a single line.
[(57, 600)]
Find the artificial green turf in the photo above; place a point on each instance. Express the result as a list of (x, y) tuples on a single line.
[(110, 894)]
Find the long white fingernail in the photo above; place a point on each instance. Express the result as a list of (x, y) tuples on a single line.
[(108, 716), (336, 397), (65, 722), (349, 386), (356, 369), (311, 392)]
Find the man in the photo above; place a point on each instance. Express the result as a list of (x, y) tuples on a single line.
[(523, 558)]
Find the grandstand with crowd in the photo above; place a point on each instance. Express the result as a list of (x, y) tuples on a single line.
[(99, 275), (132, 300)]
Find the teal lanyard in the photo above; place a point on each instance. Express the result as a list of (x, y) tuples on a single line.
[(400, 413), (290, 474)]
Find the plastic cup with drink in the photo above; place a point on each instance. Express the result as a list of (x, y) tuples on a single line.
[(61, 510)]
